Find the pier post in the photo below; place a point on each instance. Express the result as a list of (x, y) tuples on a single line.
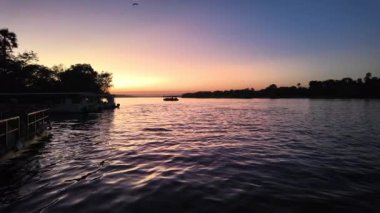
[(6, 135)]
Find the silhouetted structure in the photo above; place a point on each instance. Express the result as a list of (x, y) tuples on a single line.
[(345, 88), (170, 98)]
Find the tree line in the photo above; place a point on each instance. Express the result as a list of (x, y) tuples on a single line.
[(344, 88), (20, 73)]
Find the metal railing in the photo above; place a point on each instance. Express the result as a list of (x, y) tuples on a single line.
[(36, 122), (9, 129)]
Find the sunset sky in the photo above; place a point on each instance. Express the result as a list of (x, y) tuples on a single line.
[(190, 45)]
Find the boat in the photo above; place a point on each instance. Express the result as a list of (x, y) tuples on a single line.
[(170, 98)]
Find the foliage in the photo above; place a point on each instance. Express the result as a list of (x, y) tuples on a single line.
[(8, 42), (345, 88), (20, 73)]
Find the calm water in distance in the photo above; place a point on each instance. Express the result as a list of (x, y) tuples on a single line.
[(260, 155)]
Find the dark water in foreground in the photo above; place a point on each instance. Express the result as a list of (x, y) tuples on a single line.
[(203, 156)]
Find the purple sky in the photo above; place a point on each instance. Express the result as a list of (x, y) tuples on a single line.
[(182, 45)]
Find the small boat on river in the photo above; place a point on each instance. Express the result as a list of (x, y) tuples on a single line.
[(170, 98)]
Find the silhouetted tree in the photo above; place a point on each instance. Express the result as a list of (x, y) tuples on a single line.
[(19, 74), (367, 77), (345, 88), (40, 79), (8, 42), (79, 78), (26, 58), (271, 87), (104, 81), (83, 78)]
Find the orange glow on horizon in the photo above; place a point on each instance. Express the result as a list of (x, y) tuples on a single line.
[(168, 59), (187, 46)]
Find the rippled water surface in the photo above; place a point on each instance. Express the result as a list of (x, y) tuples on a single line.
[(203, 156)]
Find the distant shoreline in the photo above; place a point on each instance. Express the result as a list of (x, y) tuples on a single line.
[(312, 98), (346, 88)]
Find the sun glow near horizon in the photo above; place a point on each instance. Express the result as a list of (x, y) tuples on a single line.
[(188, 46)]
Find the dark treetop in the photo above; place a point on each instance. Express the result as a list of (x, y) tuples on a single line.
[(345, 88), (20, 73)]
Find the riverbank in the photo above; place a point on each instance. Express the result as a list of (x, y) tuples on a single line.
[(344, 88)]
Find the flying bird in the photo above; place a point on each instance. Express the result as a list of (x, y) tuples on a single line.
[(135, 4)]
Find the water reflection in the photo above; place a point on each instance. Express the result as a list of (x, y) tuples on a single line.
[(203, 156), (52, 156)]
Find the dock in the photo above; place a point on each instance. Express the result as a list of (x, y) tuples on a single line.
[(24, 116), (17, 130)]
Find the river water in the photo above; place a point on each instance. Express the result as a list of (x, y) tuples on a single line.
[(203, 155)]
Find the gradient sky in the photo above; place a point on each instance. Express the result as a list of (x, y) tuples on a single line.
[(189, 45)]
